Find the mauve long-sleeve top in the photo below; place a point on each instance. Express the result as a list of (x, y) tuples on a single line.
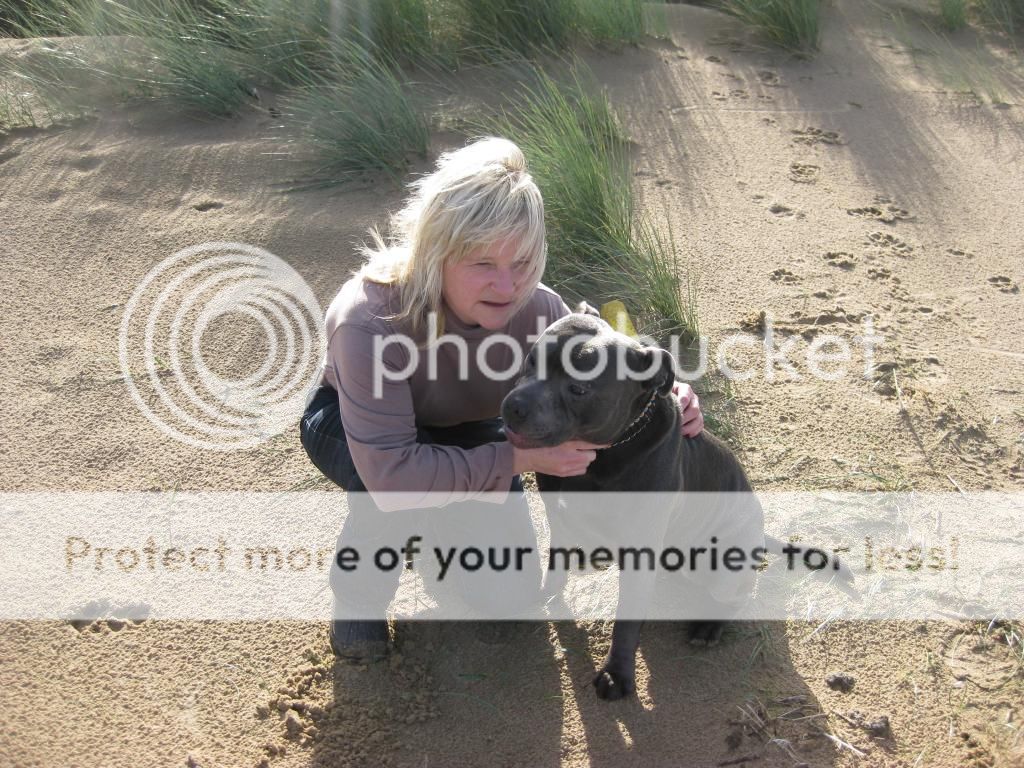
[(387, 389)]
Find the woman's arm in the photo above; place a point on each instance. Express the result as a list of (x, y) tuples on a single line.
[(380, 426)]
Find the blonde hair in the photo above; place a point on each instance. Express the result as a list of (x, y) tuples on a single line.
[(478, 194)]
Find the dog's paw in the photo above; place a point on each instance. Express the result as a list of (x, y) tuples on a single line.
[(613, 683), (585, 309), (706, 633)]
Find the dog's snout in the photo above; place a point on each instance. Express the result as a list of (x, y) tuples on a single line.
[(515, 408)]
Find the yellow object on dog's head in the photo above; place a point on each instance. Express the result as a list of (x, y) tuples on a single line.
[(614, 313)]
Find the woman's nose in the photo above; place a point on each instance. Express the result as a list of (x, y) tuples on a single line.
[(504, 283)]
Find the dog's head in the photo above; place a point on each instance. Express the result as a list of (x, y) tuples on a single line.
[(583, 380)]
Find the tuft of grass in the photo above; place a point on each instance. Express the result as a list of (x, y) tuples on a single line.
[(182, 52), (193, 60), (792, 24), (401, 30), (39, 90), (355, 117), (953, 14), (15, 107), (525, 27), (23, 19), (1008, 15), (611, 22), (287, 40), (599, 248)]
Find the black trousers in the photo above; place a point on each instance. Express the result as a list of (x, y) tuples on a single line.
[(367, 591)]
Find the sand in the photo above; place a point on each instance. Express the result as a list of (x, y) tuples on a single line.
[(866, 180)]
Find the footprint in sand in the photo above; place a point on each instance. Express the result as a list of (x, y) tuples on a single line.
[(735, 93), (890, 243), (784, 211), (116, 619), (960, 252), (812, 136), (1004, 284), (208, 205), (883, 210), (900, 294), (886, 215), (803, 173), (86, 163), (769, 78), (715, 59), (840, 259), (51, 353), (105, 625), (783, 276), (881, 273)]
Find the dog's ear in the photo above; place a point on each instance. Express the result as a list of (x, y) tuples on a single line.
[(585, 309), (663, 366)]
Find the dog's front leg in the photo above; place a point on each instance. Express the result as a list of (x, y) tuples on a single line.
[(617, 678)]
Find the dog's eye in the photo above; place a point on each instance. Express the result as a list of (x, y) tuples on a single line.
[(577, 389)]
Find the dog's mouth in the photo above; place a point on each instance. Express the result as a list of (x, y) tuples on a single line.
[(522, 441)]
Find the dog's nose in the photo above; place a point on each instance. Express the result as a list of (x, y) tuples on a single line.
[(514, 409)]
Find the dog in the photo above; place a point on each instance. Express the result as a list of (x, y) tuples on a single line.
[(639, 419)]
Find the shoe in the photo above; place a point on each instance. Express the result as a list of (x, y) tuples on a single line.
[(359, 641)]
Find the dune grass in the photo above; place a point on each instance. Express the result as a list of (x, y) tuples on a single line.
[(15, 107), (209, 56), (521, 26), (1008, 15), (599, 247), (356, 117), (792, 24), (953, 14), (611, 22), (960, 69), (150, 49), (40, 89)]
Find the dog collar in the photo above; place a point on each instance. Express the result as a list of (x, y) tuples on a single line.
[(644, 417)]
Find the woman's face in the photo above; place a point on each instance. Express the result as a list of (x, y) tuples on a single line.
[(485, 287)]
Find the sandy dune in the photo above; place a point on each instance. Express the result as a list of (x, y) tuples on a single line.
[(865, 181)]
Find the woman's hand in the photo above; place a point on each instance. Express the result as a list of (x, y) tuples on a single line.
[(566, 460), (689, 407)]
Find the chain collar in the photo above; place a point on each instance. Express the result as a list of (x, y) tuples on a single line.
[(642, 420)]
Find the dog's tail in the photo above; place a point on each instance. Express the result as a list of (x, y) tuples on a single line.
[(836, 571)]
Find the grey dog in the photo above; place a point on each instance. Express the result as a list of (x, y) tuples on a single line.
[(638, 418)]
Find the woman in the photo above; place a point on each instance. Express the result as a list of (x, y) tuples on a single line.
[(412, 373)]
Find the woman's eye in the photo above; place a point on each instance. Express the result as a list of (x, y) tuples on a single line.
[(577, 390)]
